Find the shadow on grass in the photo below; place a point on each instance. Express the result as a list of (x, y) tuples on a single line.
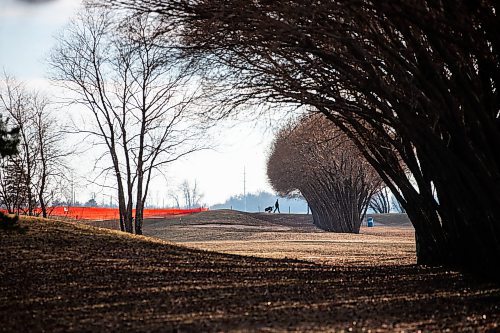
[(58, 277)]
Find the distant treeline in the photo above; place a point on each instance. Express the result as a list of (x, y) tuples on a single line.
[(257, 202)]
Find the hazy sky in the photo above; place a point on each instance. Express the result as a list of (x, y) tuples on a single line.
[(27, 30)]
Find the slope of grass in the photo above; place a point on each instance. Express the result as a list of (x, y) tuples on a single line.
[(61, 277)]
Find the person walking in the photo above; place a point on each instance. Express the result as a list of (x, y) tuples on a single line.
[(277, 207)]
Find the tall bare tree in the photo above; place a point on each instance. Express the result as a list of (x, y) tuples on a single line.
[(407, 80), (29, 179), (138, 96), (317, 159), (52, 153)]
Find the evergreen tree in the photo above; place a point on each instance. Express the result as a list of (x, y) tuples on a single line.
[(8, 139), (13, 184), (8, 147)]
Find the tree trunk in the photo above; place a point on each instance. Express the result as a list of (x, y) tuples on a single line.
[(139, 208), (331, 213)]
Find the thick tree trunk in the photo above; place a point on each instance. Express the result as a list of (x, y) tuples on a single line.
[(332, 213), (473, 227)]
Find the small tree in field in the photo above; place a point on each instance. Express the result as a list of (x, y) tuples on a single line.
[(317, 159)]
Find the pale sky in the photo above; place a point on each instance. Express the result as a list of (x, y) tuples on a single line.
[(27, 36)]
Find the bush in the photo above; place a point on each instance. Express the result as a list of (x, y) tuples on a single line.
[(9, 222)]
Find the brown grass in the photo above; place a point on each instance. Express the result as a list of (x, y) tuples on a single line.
[(64, 277), (290, 236)]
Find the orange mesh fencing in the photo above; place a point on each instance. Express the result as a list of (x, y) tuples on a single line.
[(101, 213)]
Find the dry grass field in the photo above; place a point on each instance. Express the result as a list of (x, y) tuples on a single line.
[(290, 236), (63, 277)]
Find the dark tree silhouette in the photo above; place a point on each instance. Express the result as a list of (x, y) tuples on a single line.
[(407, 81), (381, 201), (8, 139), (315, 158)]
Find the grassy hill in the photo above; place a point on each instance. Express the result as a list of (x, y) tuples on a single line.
[(61, 277), (303, 221)]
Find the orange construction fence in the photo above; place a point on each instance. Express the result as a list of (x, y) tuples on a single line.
[(101, 213)]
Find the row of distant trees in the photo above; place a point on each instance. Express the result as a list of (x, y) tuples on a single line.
[(35, 175), (187, 195), (138, 97)]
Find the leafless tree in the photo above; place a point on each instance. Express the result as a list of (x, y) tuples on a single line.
[(381, 201), (52, 154), (29, 179), (413, 81), (139, 96), (317, 159), (175, 198), (191, 194), (15, 101)]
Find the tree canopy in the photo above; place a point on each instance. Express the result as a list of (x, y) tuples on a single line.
[(317, 159)]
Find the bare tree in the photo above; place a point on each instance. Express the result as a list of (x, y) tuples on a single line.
[(51, 154), (138, 95), (191, 194), (15, 101), (381, 201), (175, 198), (414, 81), (29, 179), (317, 159)]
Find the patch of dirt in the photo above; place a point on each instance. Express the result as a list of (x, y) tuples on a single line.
[(61, 277)]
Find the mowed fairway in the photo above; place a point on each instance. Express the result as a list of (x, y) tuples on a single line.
[(291, 236), (60, 277)]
